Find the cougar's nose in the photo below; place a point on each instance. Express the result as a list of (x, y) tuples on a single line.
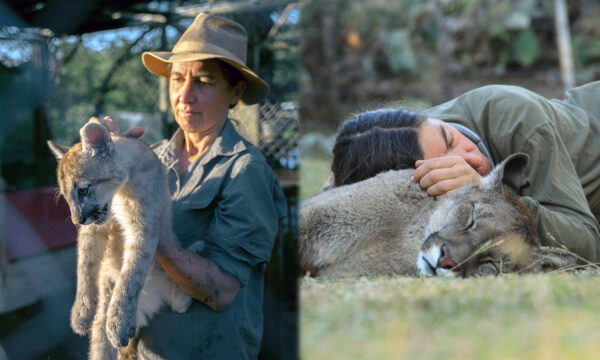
[(444, 261), (81, 219)]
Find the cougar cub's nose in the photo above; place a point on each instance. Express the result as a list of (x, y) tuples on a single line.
[(445, 262)]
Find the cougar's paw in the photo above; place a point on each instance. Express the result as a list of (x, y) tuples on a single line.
[(120, 325), (82, 316), (119, 331), (180, 301)]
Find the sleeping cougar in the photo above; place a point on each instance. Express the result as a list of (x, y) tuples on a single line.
[(387, 225), (117, 191)]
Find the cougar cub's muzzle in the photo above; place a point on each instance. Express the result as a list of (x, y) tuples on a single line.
[(96, 215), (434, 258)]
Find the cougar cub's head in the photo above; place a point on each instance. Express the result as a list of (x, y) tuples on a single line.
[(486, 229), (88, 175)]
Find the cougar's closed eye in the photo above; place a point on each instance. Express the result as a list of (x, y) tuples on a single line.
[(471, 222), (466, 216)]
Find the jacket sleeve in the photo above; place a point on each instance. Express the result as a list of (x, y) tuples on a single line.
[(554, 195)]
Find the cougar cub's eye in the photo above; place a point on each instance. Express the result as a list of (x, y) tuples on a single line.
[(82, 190)]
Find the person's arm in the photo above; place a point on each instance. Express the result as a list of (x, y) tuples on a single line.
[(238, 239), (198, 276), (555, 196)]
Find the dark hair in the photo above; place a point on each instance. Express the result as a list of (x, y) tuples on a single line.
[(376, 141), (230, 73)]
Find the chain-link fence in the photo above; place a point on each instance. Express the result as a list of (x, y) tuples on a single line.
[(279, 133)]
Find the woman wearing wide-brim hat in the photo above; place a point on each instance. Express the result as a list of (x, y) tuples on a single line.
[(227, 202)]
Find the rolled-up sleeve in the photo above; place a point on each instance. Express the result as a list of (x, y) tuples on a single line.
[(242, 232)]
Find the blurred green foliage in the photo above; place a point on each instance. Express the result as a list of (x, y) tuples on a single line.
[(364, 52)]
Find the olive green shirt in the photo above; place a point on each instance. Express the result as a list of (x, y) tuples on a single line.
[(226, 207), (561, 137)]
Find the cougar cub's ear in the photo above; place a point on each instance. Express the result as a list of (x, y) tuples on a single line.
[(509, 172), (96, 140), (57, 150)]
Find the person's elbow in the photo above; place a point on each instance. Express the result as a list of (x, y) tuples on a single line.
[(223, 296), (227, 297)]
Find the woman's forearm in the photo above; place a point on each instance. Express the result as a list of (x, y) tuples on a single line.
[(198, 276)]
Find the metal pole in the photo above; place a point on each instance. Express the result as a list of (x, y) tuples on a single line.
[(563, 39)]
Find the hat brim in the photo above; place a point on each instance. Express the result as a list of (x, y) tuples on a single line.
[(157, 63)]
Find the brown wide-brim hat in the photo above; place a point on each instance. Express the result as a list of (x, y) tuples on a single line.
[(211, 37)]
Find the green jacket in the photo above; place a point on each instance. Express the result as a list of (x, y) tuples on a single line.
[(561, 137), (226, 207)]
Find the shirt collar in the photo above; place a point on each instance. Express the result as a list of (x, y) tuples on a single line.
[(228, 143)]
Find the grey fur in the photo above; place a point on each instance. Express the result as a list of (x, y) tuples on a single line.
[(385, 225), (117, 191)]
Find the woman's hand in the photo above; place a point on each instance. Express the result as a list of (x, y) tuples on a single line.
[(443, 174), (113, 127)]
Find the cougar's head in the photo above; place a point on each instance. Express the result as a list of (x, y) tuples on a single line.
[(88, 175), (485, 229)]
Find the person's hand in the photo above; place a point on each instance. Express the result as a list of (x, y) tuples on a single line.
[(443, 174), (113, 127)]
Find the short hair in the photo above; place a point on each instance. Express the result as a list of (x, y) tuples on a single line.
[(376, 141)]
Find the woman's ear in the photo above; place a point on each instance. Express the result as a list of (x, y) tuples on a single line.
[(237, 92)]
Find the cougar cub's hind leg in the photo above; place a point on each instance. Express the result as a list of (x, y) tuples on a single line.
[(100, 346)]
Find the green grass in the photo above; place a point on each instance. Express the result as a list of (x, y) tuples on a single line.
[(510, 317), (314, 172)]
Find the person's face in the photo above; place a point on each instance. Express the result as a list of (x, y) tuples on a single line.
[(200, 95), (439, 139)]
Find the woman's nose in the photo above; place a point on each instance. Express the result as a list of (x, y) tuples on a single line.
[(187, 91)]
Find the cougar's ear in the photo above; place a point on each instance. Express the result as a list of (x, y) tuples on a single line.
[(549, 258), (57, 150), (96, 140), (509, 172)]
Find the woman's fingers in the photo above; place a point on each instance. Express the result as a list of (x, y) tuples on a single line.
[(440, 175), (136, 131), (111, 125)]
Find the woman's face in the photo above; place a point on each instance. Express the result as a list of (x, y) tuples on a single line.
[(200, 96), (439, 139)]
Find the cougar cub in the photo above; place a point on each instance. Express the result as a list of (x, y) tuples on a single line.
[(117, 191)]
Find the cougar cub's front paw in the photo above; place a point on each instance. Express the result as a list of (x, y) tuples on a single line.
[(120, 327), (180, 301), (82, 316)]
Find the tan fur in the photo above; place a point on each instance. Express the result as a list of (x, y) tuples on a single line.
[(117, 191), (387, 225)]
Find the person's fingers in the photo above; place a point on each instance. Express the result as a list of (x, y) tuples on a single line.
[(442, 188), (136, 131), (425, 166), (94, 120), (111, 125), (464, 172)]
